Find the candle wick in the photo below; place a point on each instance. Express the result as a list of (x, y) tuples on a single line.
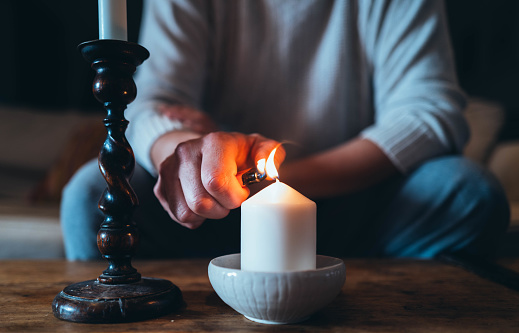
[(277, 180)]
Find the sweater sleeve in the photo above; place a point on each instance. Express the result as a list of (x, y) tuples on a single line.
[(418, 105), (175, 33)]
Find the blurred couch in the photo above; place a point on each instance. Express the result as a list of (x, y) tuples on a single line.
[(38, 152), (486, 120)]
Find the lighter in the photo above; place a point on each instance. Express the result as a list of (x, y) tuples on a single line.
[(255, 175)]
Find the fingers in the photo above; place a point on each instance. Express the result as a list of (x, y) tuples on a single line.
[(168, 191), (197, 198), (222, 153), (181, 190)]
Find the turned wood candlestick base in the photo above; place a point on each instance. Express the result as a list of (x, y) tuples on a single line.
[(119, 294)]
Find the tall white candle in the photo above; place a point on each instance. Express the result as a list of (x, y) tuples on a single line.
[(278, 231), (112, 19)]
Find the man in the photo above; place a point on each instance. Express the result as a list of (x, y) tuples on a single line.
[(365, 91)]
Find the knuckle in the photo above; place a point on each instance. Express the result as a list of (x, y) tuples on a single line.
[(216, 183), (188, 219), (203, 205), (166, 167), (158, 192), (183, 150), (213, 138), (192, 225), (185, 216), (234, 203)]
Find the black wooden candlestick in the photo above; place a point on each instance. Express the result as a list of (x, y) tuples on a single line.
[(119, 294)]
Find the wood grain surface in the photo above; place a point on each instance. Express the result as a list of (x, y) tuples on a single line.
[(378, 296)]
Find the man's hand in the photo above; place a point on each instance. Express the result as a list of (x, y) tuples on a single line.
[(198, 180)]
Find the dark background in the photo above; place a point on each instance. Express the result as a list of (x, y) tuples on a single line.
[(42, 67), (41, 64), (485, 37)]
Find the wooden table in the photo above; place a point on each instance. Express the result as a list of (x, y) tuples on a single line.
[(378, 296)]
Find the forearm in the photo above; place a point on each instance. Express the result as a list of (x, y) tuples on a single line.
[(194, 123), (345, 169)]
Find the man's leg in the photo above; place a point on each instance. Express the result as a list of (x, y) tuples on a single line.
[(448, 204), (80, 217)]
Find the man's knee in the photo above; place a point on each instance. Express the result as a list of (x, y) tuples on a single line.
[(475, 201), (467, 183)]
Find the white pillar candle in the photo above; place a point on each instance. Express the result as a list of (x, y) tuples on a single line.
[(112, 19), (278, 230)]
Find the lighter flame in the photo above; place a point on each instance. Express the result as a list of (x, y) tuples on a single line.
[(272, 172), (261, 166)]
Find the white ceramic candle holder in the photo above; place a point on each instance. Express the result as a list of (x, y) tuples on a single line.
[(277, 298)]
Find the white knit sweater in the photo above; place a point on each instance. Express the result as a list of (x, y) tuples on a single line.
[(313, 72)]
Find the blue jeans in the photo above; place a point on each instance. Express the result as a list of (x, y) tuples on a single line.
[(446, 205)]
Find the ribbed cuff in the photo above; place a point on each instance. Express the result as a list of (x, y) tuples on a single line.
[(406, 141), (144, 129)]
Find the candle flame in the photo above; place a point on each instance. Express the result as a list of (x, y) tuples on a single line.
[(272, 171)]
